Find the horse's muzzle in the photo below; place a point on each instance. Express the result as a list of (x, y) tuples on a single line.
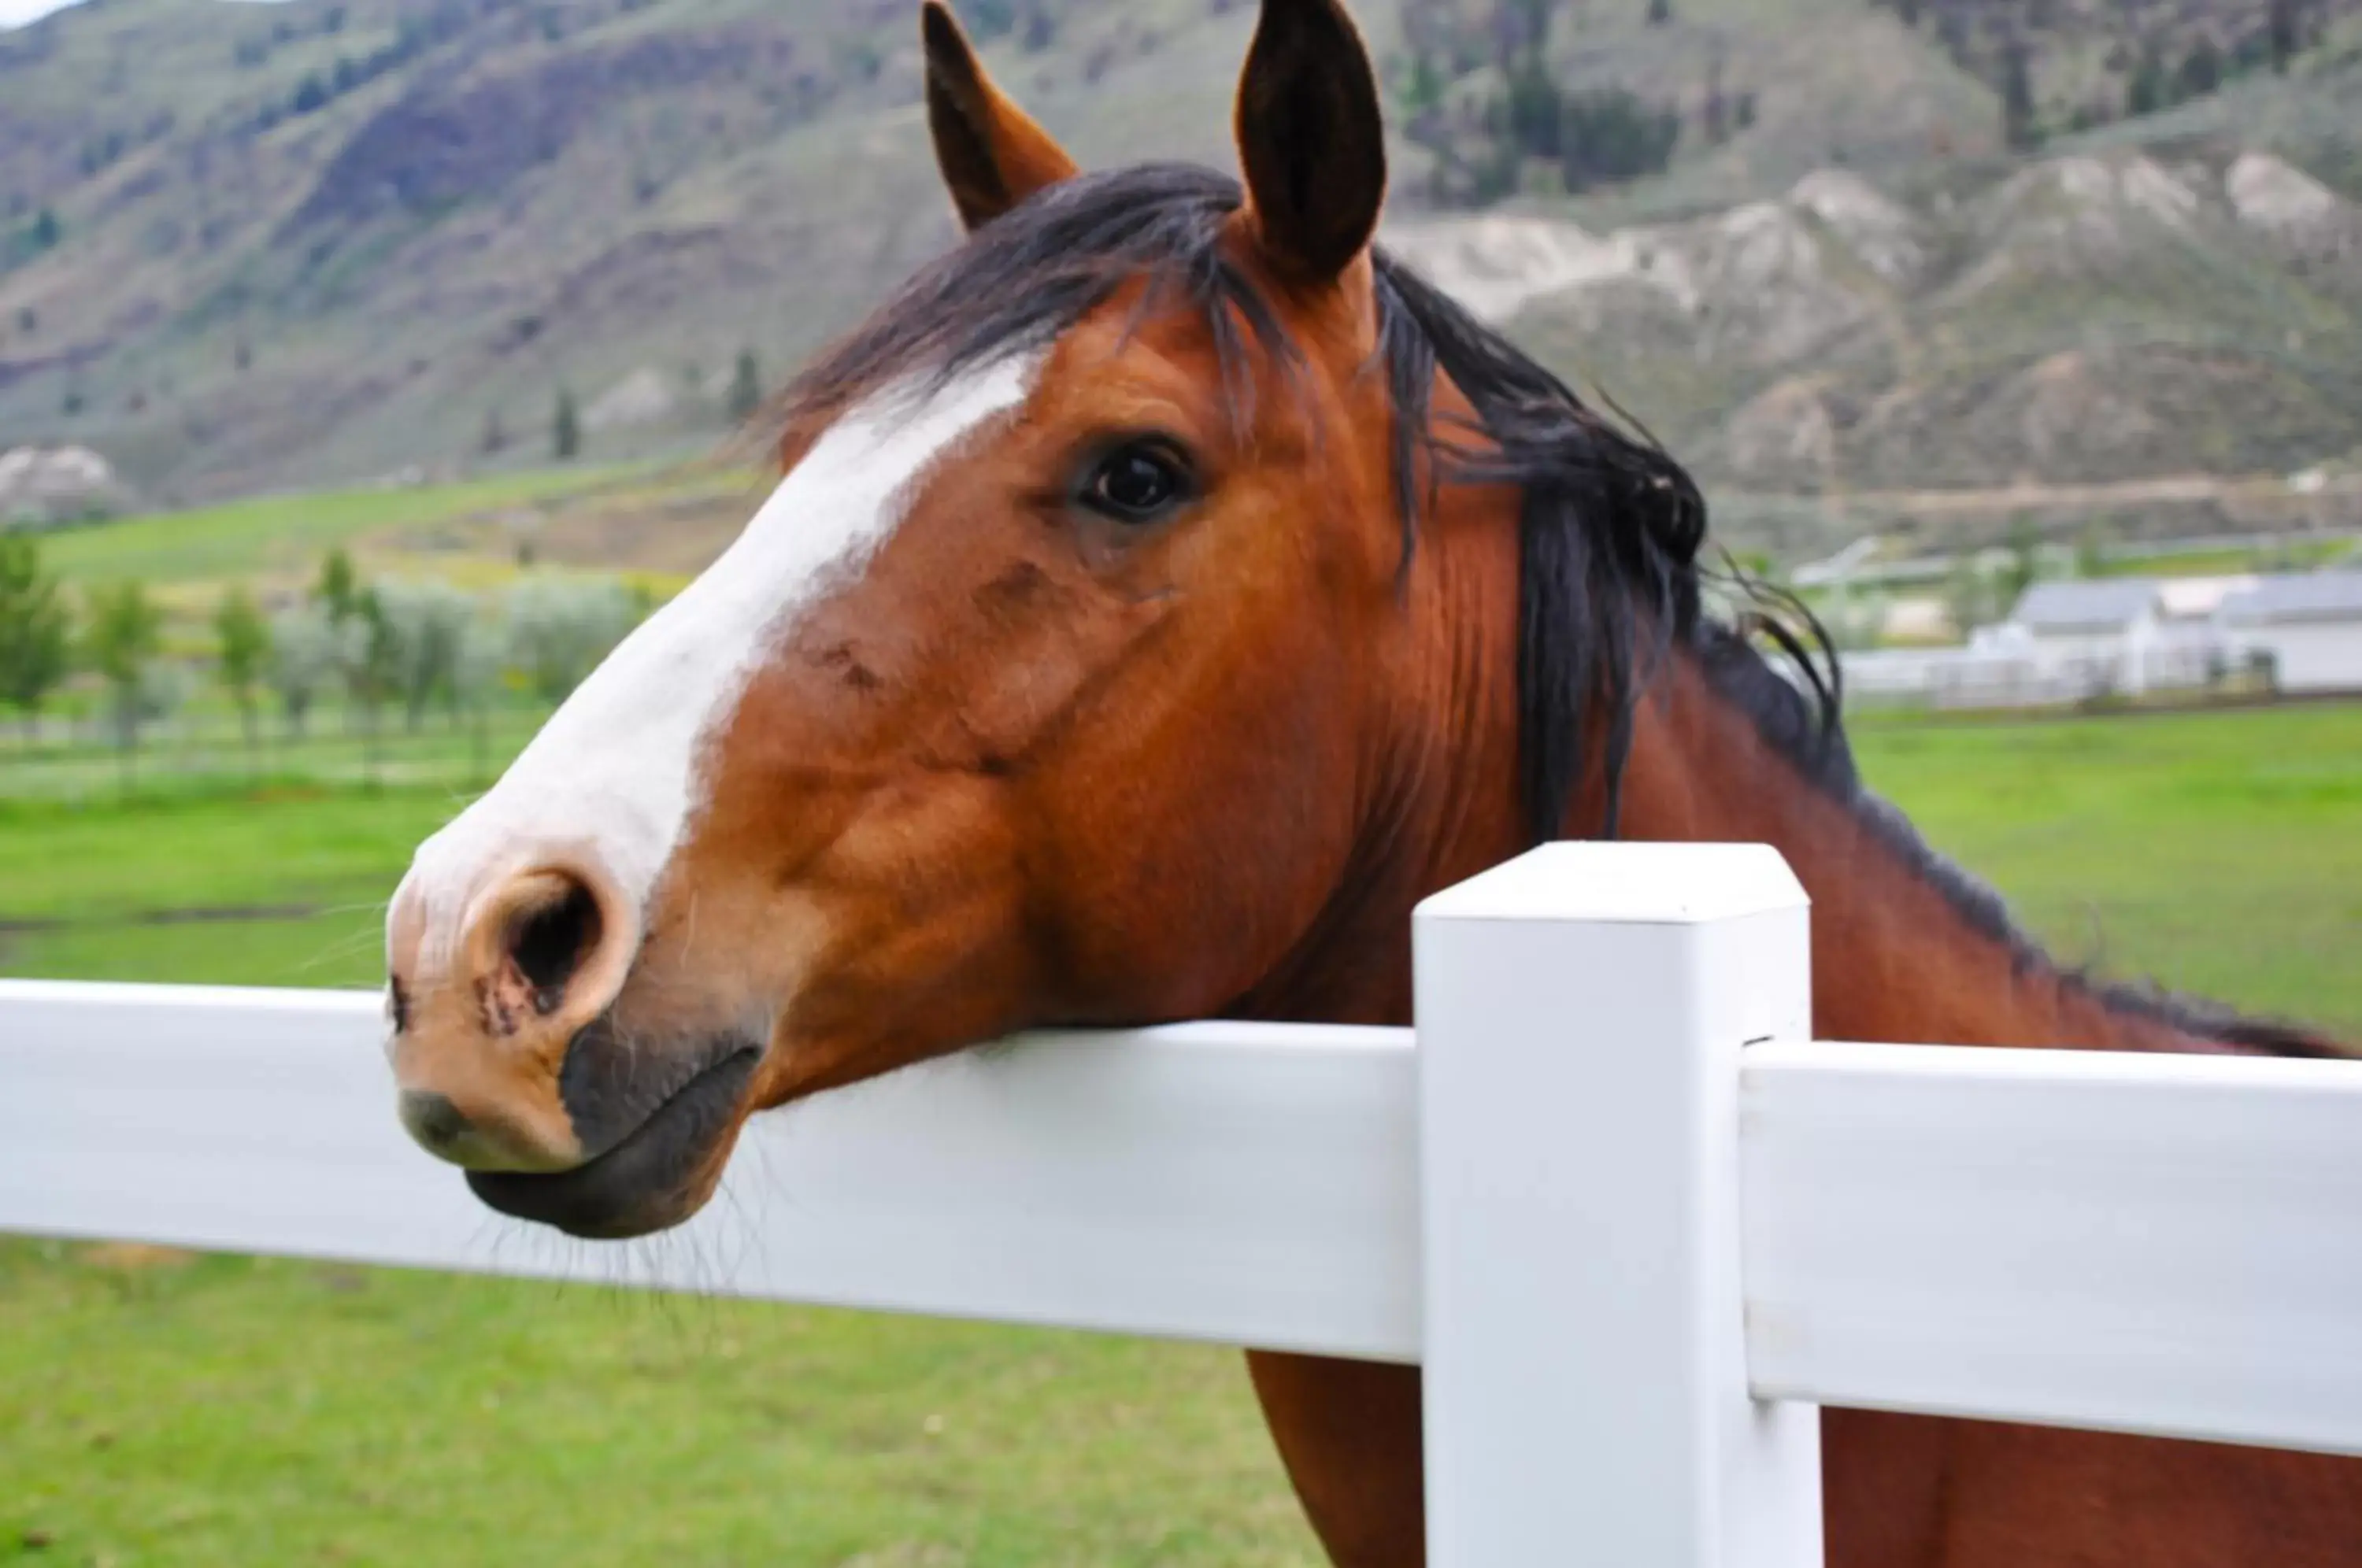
[(655, 1174)]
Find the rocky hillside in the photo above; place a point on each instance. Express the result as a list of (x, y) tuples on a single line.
[(254, 246), (248, 246), (2087, 318)]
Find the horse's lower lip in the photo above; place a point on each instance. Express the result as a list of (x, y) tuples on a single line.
[(638, 1184)]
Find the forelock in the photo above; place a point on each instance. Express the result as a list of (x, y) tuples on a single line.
[(1034, 274)]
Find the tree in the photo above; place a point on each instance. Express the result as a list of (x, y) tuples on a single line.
[(35, 635), (124, 633), (745, 387), (46, 231), (2148, 91), (1659, 12), (2019, 128), (476, 684), (1533, 109), (338, 590), (560, 628), (373, 671), (306, 652), (164, 686), (565, 428), (242, 654), (2024, 565), (1522, 25), (1610, 133), (427, 621), (2201, 69), (2286, 33), (1425, 88)]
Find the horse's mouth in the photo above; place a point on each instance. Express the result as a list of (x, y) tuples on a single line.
[(646, 1180)]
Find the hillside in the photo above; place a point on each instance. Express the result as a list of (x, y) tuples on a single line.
[(246, 248), (520, 198), (2089, 321)]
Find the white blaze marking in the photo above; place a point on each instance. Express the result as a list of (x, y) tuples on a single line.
[(613, 774)]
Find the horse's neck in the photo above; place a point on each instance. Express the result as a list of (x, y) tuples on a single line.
[(1895, 956)]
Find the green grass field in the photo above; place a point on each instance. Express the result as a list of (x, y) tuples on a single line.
[(285, 531), (163, 1409), (203, 752), (2220, 854)]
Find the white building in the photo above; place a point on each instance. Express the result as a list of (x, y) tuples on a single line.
[(2070, 642), (2120, 635), (2310, 625)]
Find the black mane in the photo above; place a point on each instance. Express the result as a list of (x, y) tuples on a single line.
[(1611, 527)]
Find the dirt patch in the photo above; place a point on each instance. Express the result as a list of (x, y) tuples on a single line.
[(135, 1257)]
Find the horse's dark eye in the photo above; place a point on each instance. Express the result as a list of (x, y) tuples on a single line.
[(1140, 482)]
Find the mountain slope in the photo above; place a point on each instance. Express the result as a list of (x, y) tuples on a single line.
[(325, 239)]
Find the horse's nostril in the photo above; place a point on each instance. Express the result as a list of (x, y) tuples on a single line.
[(432, 1119), (550, 943)]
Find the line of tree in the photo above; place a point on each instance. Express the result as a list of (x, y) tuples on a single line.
[(1485, 138), (2166, 57), (416, 647), (242, 650), (36, 631), (318, 90), (125, 634)]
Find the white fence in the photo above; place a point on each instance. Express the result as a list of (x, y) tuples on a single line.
[(1632, 1221), (2020, 674)]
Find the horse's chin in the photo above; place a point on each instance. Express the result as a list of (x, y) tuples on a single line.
[(656, 1176)]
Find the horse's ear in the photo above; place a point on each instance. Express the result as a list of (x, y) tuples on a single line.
[(992, 154), (1311, 138)]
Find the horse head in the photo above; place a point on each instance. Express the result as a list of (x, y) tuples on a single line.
[(1064, 677)]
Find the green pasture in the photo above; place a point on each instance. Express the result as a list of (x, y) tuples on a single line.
[(156, 1409), (2217, 853), (283, 531), (242, 1412), (205, 752)]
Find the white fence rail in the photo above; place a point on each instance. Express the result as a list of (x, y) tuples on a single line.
[(1632, 1221)]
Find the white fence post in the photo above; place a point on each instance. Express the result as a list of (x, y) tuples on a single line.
[(1581, 1011)]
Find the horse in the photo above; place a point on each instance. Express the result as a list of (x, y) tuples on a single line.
[(1164, 591)]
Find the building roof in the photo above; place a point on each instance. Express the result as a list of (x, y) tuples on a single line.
[(2306, 596), (2104, 604), (2196, 597)]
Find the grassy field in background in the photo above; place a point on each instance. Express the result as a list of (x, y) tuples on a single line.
[(284, 531), (204, 752), (2218, 853), (226, 1410)]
